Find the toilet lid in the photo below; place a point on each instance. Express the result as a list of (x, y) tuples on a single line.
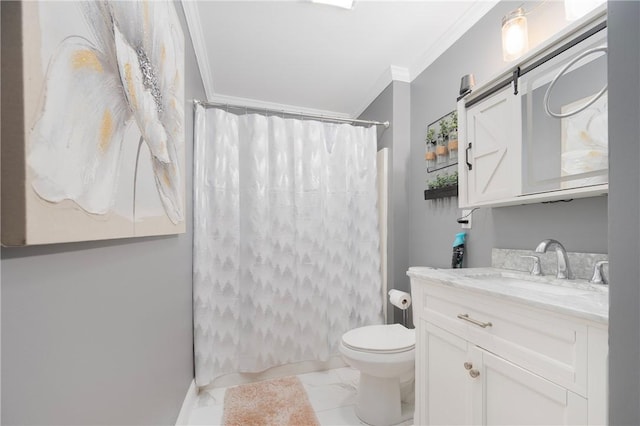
[(388, 338)]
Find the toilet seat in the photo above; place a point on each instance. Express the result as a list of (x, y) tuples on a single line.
[(382, 339)]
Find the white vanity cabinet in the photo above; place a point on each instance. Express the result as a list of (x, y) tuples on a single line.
[(487, 360)]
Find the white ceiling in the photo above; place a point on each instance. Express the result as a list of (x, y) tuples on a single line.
[(315, 58)]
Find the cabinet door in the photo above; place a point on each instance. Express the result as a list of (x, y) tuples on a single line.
[(492, 147), (505, 394), (445, 386)]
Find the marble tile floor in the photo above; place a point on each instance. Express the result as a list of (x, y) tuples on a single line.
[(332, 394)]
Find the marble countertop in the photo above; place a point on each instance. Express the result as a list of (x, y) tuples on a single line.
[(577, 298)]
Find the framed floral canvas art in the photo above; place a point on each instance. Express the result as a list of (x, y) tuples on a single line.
[(92, 121)]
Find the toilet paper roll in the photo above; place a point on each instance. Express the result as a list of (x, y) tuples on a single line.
[(400, 299)]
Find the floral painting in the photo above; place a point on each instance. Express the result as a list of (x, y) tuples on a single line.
[(103, 89)]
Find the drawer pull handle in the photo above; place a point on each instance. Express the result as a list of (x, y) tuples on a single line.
[(466, 317), (468, 366), (474, 373)]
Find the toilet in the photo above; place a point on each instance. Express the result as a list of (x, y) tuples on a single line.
[(385, 357)]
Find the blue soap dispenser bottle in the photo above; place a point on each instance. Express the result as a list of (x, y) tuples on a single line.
[(458, 250)]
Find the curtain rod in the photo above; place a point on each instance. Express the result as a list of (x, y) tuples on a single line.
[(315, 116)]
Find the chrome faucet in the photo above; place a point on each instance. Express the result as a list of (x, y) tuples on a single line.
[(598, 275), (564, 271)]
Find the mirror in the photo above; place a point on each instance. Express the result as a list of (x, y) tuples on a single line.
[(567, 152)]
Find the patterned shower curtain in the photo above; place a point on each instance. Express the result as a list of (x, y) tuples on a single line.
[(286, 240)]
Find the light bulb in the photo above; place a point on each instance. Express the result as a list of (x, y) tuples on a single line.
[(515, 37), (514, 43)]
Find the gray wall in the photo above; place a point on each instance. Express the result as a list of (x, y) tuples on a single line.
[(624, 212), (393, 105), (101, 332), (581, 224)]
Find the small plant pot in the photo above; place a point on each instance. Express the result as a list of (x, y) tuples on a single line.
[(430, 158), (453, 145), (442, 154)]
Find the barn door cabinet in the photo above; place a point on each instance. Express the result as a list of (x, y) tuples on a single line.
[(513, 150), (505, 362), (492, 149)]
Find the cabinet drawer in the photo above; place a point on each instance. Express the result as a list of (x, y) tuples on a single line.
[(545, 343)]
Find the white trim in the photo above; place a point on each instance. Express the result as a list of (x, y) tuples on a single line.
[(383, 223), (255, 103), (541, 197), (187, 405), (461, 26), (192, 15), (400, 74)]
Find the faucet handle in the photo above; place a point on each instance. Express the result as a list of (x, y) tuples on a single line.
[(598, 275), (535, 269)]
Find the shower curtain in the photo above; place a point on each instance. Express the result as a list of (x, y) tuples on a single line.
[(285, 240)]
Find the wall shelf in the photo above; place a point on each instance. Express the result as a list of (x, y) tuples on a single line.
[(448, 191)]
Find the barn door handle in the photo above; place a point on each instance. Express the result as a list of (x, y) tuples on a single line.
[(466, 157)]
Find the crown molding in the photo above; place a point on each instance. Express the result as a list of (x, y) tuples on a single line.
[(192, 15), (461, 26), (400, 74), (391, 74), (273, 106)]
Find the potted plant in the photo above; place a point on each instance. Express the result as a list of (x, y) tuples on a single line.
[(430, 154), (431, 136), (441, 149), (444, 128), (444, 185)]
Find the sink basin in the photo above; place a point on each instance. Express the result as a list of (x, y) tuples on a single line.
[(545, 284), (530, 285)]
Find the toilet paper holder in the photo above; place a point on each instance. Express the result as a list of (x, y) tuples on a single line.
[(401, 300)]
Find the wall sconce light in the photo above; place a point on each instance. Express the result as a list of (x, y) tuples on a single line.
[(515, 37)]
